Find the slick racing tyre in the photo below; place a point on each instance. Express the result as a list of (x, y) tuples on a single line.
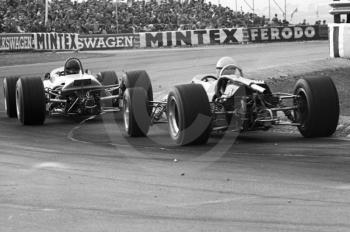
[(318, 104), (189, 114), (109, 78), (141, 79), (135, 111), (30, 101), (10, 96)]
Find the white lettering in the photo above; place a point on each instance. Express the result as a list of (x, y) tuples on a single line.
[(264, 35), (253, 34), (275, 34), (310, 32), (287, 33)]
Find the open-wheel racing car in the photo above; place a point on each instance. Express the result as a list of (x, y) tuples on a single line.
[(68, 90), (228, 101)]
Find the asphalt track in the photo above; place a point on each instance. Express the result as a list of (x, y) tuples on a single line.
[(73, 175)]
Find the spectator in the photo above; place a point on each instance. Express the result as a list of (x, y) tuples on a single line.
[(91, 16), (275, 20)]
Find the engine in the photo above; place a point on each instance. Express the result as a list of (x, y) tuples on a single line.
[(78, 102), (83, 103), (242, 108)]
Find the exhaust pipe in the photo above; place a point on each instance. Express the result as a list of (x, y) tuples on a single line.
[(58, 100), (109, 98)]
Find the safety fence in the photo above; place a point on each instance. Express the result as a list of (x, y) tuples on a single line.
[(72, 41)]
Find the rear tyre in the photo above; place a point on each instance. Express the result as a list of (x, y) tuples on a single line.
[(136, 117), (30, 101), (189, 115), (141, 79), (318, 104), (109, 78), (10, 96)]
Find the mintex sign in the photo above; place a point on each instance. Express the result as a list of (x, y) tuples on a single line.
[(194, 37), (71, 41), (55, 41), (294, 33)]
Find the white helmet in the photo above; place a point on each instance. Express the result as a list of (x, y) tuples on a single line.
[(224, 62)]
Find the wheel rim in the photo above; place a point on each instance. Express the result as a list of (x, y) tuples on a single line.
[(5, 104), (5, 95), (173, 117), (126, 115), (18, 104), (302, 111)]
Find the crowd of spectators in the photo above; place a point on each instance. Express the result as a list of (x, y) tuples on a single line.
[(103, 16)]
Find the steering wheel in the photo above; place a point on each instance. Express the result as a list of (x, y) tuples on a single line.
[(208, 78), (61, 73)]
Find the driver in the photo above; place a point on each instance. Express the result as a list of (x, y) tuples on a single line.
[(225, 87), (230, 70), (72, 66)]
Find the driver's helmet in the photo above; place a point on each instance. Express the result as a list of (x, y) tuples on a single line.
[(72, 66), (230, 70)]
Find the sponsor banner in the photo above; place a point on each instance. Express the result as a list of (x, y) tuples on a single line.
[(323, 31), (292, 33), (193, 37), (103, 42), (55, 41), (13, 42)]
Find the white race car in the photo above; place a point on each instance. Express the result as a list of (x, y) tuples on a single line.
[(68, 90), (227, 100)]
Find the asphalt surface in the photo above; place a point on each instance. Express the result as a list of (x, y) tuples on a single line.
[(74, 175)]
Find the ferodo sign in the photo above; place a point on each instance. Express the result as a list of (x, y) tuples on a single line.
[(55, 41), (101, 42), (267, 34), (194, 37), (12, 42)]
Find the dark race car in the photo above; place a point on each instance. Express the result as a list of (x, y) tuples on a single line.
[(228, 101)]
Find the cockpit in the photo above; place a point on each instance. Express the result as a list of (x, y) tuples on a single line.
[(73, 66), (230, 69)]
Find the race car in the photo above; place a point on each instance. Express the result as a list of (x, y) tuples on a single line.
[(229, 101), (67, 90)]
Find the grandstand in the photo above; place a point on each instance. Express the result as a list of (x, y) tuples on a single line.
[(101, 17)]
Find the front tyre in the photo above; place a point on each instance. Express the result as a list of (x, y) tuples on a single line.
[(137, 120), (318, 103), (139, 78), (30, 101), (189, 115), (10, 96)]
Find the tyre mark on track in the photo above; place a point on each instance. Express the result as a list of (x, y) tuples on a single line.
[(70, 135)]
